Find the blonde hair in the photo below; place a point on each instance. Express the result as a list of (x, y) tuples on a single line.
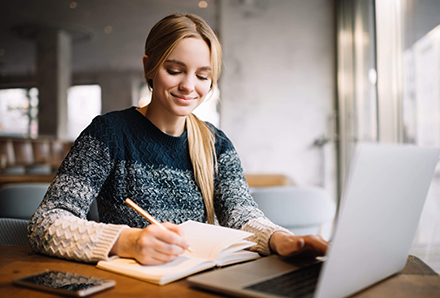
[(161, 41)]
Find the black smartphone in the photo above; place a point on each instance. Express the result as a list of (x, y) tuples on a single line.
[(64, 283)]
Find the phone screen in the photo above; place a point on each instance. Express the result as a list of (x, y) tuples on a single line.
[(65, 283)]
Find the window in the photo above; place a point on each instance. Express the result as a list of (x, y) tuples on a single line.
[(420, 109), (401, 39), (19, 112), (401, 101), (357, 79), (83, 104)]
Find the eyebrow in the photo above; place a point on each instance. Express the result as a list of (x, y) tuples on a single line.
[(206, 68)]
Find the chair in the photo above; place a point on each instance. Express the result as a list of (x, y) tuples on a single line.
[(13, 231), (39, 170), (8, 162), (14, 170), (59, 151), (43, 158), (20, 200), (302, 210), (24, 153), (7, 152), (42, 151)]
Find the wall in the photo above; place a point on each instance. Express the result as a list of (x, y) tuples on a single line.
[(420, 17), (278, 86), (117, 89)]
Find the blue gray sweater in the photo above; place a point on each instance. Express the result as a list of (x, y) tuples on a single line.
[(123, 155)]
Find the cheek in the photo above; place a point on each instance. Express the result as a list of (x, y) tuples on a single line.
[(203, 89), (165, 81)]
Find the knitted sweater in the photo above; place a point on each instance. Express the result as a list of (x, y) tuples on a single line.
[(123, 155)]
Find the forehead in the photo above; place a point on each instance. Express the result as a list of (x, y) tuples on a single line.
[(192, 52)]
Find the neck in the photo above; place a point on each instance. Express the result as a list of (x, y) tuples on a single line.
[(171, 125)]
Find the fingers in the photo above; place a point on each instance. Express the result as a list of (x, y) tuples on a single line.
[(175, 236), (157, 246), (316, 244), (292, 244), (289, 245), (174, 228), (152, 257)]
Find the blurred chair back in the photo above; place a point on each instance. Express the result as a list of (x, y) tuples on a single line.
[(7, 154), (42, 151), (42, 158), (24, 153), (302, 210), (8, 162), (59, 151), (20, 200), (13, 231)]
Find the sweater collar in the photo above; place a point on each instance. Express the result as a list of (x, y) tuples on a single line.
[(155, 132)]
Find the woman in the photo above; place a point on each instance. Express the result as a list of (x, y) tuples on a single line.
[(161, 156)]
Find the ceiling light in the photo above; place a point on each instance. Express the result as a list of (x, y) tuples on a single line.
[(108, 29), (203, 4), (73, 5)]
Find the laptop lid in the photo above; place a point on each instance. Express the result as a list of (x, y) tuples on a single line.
[(380, 210)]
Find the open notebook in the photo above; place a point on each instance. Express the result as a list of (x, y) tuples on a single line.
[(211, 246)]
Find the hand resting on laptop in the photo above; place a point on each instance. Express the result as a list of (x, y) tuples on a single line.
[(286, 244)]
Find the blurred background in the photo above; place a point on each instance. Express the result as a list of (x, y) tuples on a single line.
[(302, 82)]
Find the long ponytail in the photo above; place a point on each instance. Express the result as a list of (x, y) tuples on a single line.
[(201, 143)]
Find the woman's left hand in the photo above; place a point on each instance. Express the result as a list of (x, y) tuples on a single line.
[(286, 244)]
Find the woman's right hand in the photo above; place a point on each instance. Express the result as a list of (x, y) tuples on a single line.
[(151, 245)]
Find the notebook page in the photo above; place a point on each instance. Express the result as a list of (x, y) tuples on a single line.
[(207, 241)]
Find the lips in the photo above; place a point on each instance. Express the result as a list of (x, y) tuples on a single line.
[(183, 97)]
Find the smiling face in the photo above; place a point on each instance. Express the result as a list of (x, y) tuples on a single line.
[(183, 80)]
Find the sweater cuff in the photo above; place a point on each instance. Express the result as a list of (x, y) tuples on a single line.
[(262, 228), (106, 239), (78, 239)]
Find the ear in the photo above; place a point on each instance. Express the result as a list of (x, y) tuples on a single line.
[(144, 61), (148, 79)]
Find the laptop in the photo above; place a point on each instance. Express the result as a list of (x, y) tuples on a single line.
[(379, 214)]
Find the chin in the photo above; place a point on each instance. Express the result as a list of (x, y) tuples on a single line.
[(183, 112)]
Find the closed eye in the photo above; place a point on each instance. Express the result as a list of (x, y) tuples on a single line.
[(203, 78), (172, 72)]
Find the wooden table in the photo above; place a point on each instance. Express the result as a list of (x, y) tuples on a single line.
[(16, 261), (254, 180), (265, 180), (8, 179)]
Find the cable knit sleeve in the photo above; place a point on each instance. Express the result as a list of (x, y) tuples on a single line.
[(59, 226), (234, 206)]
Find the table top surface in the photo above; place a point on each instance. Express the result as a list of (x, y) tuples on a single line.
[(17, 261), (8, 179)]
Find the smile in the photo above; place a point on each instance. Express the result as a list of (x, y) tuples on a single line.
[(182, 97)]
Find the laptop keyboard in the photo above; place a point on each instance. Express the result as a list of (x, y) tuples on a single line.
[(298, 283)]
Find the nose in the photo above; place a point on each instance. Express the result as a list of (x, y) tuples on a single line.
[(187, 84)]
